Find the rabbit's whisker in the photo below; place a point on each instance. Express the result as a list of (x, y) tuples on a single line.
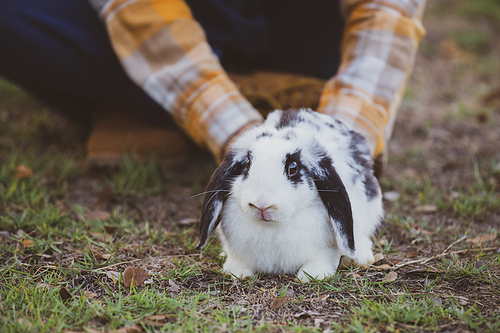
[(202, 193)]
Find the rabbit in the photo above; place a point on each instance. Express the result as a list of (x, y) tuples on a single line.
[(292, 196)]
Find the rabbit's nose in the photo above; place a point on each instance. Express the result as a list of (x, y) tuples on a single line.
[(263, 212)]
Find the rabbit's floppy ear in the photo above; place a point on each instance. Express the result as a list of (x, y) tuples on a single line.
[(334, 196), (216, 194)]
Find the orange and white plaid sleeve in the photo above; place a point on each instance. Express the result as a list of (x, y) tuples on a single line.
[(378, 52), (165, 51)]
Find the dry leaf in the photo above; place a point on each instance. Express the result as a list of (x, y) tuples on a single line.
[(89, 294), (427, 209), (65, 295), (113, 275), (378, 256), (159, 320), (415, 229), (173, 286), (28, 243), (102, 236), (305, 314), (392, 276), (279, 302), (380, 241), (95, 215), (354, 275), (411, 255), (478, 240), (437, 301), (480, 263), (44, 285), (91, 330), (382, 267), (98, 255), (22, 171), (131, 247), (128, 329), (21, 320), (135, 275), (429, 233), (318, 322), (110, 229), (104, 256), (105, 196)]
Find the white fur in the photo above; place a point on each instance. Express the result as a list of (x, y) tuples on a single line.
[(299, 237)]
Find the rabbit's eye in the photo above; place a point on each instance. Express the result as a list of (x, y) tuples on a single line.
[(248, 165), (293, 168)]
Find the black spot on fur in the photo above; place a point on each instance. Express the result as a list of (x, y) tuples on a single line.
[(362, 157), (264, 135), (330, 125), (313, 124), (371, 187), (313, 113), (288, 119), (365, 164), (289, 135)]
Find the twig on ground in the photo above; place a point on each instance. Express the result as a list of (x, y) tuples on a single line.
[(454, 243), (425, 260)]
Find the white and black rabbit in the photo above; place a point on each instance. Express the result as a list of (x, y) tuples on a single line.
[(292, 196)]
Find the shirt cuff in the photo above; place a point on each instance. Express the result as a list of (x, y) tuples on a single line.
[(216, 113)]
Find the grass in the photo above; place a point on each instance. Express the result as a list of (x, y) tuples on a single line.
[(41, 308), (47, 248), (137, 179), (474, 41), (481, 9), (30, 289), (412, 314)]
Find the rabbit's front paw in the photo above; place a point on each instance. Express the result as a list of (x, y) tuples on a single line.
[(316, 270), (364, 258), (364, 253), (238, 268)]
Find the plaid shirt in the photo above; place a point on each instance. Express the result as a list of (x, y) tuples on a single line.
[(164, 50)]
